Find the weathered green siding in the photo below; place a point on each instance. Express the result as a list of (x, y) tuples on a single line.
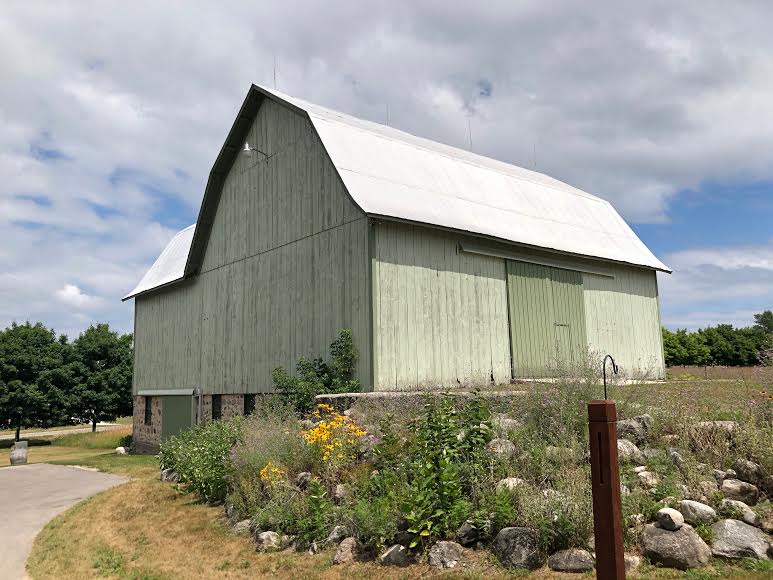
[(547, 319), (177, 415), (285, 269), (623, 319), (440, 316)]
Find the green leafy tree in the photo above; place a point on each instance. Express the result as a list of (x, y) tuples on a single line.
[(764, 321), (102, 371), (28, 352)]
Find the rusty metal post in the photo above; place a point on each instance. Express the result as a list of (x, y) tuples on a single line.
[(605, 476)]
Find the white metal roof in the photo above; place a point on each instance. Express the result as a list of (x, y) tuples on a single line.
[(169, 266), (394, 174)]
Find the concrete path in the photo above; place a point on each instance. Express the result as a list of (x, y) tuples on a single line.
[(30, 496), (58, 432)]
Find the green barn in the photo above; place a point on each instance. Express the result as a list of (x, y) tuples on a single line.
[(450, 269)]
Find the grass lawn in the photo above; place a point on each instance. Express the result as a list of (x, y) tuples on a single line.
[(146, 529), (119, 420)]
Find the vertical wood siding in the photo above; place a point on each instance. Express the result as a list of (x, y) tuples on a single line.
[(440, 316), (285, 269), (623, 320)]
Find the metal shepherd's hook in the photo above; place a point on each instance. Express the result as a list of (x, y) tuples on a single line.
[(604, 366)]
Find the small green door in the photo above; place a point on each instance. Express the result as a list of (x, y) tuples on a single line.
[(176, 414)]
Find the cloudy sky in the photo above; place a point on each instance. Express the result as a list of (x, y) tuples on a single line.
[(111, 114)]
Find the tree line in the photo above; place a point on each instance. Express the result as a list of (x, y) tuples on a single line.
[(722, 344), (47, 380)]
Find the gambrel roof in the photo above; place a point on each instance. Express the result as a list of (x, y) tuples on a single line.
[(395, 175)]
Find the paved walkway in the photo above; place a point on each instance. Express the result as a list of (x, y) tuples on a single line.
[(30, 496), (58, 432)]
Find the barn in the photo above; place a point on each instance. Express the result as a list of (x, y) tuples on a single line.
[(450, 269)]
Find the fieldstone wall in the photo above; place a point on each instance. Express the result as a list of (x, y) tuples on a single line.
[(230, 406), (146, 437)]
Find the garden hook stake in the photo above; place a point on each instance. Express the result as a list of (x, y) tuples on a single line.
[(604, 367)]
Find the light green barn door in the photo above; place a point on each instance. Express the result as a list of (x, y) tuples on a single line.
[(547, 318), (176, 414)]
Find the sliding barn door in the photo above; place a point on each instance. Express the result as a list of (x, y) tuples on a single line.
[(547, 319)]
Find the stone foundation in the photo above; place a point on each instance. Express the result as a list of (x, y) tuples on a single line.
[(146, 438)]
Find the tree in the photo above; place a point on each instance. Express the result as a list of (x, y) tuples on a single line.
[(103, 375), (764, 321), (26, 352)]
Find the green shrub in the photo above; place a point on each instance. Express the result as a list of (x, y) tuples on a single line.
[(201, 456), (315, 377)]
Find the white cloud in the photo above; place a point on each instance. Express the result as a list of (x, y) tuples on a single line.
[(73, 296), (633, 102)]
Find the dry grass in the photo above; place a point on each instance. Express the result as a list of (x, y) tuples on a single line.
[(50, 453)]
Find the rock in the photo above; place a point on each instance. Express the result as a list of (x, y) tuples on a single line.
[(509, 484), (677, 458), (469, 535), (636, 520), (571, 560), (627, 451), (313, 549), (302, 480), (170, 475), (268, 541), (121, 451), (445, 555), (347, 551), (18, 455), (647, 479), (336, 535), (639, 468), (241, 527), (624, 490), (230, 511), (740, 490), (696, 513), (632, 563), (740, 511), (339, 494), (559, 454), (518, 548), (749, 471), (731, 474), (682, 549), (718, 475), (670, 519), (635, 429), (503, 424), (735, 539), (501, 448), (766, 522), (396, 555), (708, 488)]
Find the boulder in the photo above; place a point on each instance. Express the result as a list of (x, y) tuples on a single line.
[(708, 488), (571, 560), (682, 549), (670, 519), (339, 494), (740, 491), (469, 534), (628, 452), (302, 480), (241, 527), (749, 471), (445, 555), (396, 555), (718, 475), (738, 510), (766, 522), (503, 424), (635, 429), (677, 458), (121, 450), (500, 448), (518, 548), (509, 484), (559, 454), (639, 468), (348, 551), (268, 541), (632, 563), (336, 535), (735, 539), (647, 479), (696, 513)]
